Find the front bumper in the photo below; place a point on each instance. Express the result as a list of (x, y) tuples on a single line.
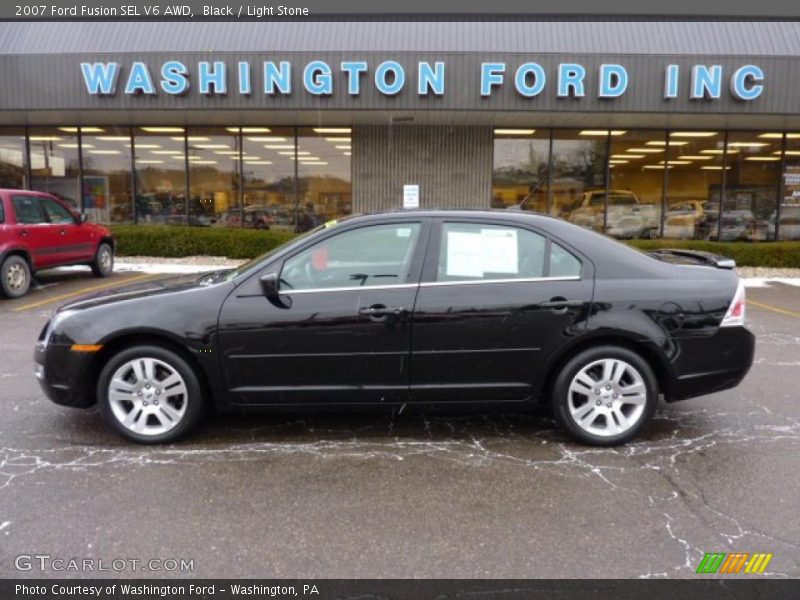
[(63, 375)]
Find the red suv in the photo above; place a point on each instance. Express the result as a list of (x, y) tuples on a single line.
[(38, 231)]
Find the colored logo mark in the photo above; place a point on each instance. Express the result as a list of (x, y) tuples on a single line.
[(734, 562)]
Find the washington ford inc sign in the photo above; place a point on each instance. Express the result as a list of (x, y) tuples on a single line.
[(390, 78)]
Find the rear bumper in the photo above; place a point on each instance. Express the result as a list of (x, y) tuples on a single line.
[(63, 375), (707, 365)]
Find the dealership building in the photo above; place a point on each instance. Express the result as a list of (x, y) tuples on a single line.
[(641, 129)]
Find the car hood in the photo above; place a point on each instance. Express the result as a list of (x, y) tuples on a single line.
[(145, 287)]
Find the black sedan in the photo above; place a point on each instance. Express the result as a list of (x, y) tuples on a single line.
[(409, 307)]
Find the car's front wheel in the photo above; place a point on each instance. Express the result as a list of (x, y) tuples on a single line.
[(605, 395), (103, 264), (150, 394), (16, 277)]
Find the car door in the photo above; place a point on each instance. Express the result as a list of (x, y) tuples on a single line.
[(34, 232), (74, 242), (496, 301), (340, 328)]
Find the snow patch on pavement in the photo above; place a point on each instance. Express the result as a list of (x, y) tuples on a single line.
[(762, 282)]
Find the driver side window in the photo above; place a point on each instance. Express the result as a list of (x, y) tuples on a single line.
[(374, 255)]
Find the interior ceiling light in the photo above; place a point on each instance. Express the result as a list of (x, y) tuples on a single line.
[(249, 129), (602, 132), (163, 130), (777, 136), (747, 144), (514, 131), (332, 129), (83, 129), (690, 134)]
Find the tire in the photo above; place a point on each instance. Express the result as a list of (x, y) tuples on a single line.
[(134, 403), (15, 276), (600, 410), (103, 263)]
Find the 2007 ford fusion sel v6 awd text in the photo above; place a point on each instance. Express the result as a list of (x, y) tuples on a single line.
[(415, 307)]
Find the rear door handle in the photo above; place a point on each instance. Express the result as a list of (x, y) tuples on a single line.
[(561, 303)]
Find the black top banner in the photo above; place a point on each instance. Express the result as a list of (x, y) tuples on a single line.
[(354, 9)]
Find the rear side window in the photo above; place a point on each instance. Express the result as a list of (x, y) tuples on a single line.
[(28, 210), (2, 212), (478, 252), (563, 263)]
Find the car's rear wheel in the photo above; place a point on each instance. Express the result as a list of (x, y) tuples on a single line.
[(16, 277), (103, 264), (150, 395), (605, 395)]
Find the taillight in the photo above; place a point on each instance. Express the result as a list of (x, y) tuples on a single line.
[(736, 311)]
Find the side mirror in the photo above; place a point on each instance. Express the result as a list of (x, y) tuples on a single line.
[(269, 284), (83, 217)]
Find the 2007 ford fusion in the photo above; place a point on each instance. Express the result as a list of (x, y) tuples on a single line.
[(418, 307)]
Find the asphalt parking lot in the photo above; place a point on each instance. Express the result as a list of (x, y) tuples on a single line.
[(418, 494)]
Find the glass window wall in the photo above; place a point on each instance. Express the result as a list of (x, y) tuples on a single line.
[(578, 181), (107, 184), (694, 164), (214, 182), (636, 184), (13, 170), (519, 178), (160, 169), (55, 163), (324, 179), (788, 219), (268, 169), (752, 181)]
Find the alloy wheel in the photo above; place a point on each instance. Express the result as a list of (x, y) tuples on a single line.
[(105, 259), (607, 397), (16, 277), (148, 396)]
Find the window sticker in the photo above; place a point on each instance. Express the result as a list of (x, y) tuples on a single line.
[(463, 254), (404, 232), (499, 251)]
